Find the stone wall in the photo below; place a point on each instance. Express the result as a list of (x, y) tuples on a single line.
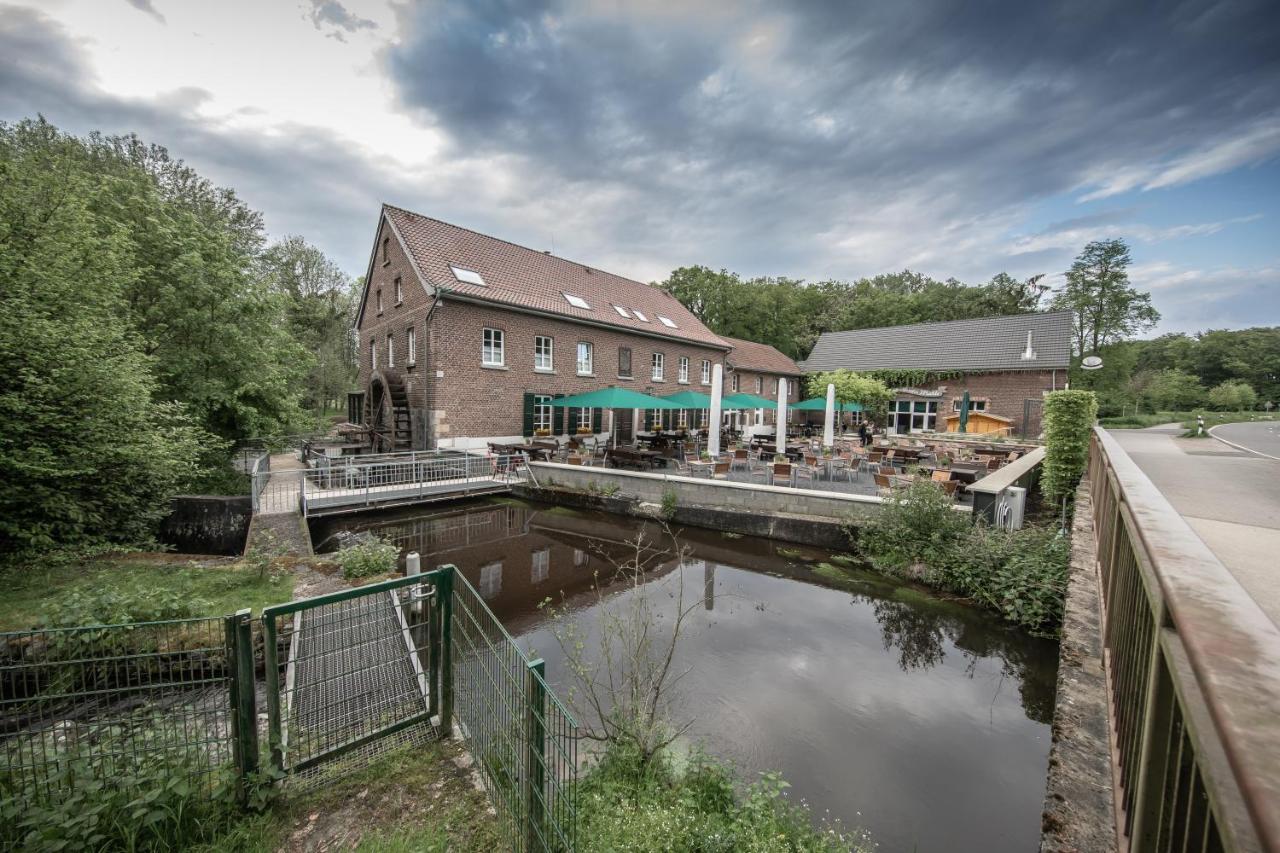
[(699, 491), (1079, 805), (203, 524)]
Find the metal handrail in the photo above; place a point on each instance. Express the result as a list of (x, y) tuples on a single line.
[(1193, 671)]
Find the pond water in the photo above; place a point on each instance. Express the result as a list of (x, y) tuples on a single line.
[(924, 721)]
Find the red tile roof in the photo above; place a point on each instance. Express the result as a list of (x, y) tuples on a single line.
[(526, 278), (749, 355)]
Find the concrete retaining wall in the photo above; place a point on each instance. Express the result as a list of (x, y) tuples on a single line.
[(753, 498), (207, 524)]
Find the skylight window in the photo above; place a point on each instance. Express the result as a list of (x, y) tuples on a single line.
[(622, 312), (666, 321), (466, 275), (576, 301), (640, 316)]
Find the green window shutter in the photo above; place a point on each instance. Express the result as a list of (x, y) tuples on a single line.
[(564, 417), (528, 415), (597, 420)]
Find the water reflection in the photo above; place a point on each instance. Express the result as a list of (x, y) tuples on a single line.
[(892, 708)]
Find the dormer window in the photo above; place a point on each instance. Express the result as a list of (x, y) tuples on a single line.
[(467, 276), (622, 312), (666, 321), (576, 301), (640, 316)]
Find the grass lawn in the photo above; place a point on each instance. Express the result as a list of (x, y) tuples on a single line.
[(415, 799), (1213, 419), (1187, 419), (221, 585)]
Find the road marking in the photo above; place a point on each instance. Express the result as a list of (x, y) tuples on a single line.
[(1240, 446)]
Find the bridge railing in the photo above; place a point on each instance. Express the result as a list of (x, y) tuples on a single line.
[(1193, 669), (404, 478)]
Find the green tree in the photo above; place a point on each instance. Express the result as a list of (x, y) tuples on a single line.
[(851, 387), (1107, 309), (1173, 390), (1233, 396), (87, 451)]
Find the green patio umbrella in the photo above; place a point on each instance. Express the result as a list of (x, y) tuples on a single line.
[(614, 398), (748, 401), (689, 400), (813, 404), (851, 407)]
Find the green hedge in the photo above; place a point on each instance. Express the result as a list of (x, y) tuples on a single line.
[(1068, 419)]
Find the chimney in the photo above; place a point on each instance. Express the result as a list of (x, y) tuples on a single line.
[(1028, 354)]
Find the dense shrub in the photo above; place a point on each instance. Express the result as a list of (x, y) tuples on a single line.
[(137, 786), (1068, 420), (1021, 574), (110, 606), (1233, 396), (627, 804), (367, 557)]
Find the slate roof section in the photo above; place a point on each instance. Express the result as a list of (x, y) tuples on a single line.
[(521, 277), (762, 358), (985, 344)]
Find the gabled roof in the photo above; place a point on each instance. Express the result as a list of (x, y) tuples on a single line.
[(524, 278), (984, 344), (749, 355)]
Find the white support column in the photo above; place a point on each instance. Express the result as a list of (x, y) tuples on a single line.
[(780, 435), (713, 423), (828, 429)]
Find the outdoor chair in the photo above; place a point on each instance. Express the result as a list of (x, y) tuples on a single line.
[(781, 469), (721, 471), (740, 459), (941, 476), (874, 458), (950, 487), (803, 472)]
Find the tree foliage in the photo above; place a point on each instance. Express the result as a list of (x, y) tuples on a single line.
[(789, 313), (852, 387), (1232, 396), (1068, 420), (1106, 308), (88, 449)]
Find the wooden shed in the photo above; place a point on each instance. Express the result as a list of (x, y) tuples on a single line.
[(981, 422)]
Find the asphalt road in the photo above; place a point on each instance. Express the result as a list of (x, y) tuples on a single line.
[(1230, 497), (1261, 437)]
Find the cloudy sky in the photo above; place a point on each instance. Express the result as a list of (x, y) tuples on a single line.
[(831, 140)]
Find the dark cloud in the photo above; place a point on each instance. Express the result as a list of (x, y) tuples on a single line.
[(801, 122), (333, 15), (146, 6)]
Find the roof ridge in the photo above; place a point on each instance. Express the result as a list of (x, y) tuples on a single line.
[(542, 252), (945, 322)]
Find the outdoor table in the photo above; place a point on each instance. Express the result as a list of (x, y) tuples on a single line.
[(708, 465), (963, 474)]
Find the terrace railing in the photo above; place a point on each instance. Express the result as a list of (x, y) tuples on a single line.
[(1193, 670)]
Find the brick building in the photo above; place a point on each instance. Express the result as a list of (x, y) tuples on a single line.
[(466, 339), (754, 368), (1007, 364)]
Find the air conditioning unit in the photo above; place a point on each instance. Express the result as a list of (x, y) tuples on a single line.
[(1011, 508)]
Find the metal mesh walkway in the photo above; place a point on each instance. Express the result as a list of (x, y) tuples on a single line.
[(353, 674)]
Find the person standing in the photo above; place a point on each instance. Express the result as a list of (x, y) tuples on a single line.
[(863, 434)]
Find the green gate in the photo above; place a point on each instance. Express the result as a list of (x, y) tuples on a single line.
[(353, 674)]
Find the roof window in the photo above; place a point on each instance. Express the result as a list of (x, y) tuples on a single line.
[(576, 301), (666, 321), (466, 275), (640, 315), (622, 312)]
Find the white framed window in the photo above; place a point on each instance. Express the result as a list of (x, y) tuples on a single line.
[(584, 359), (411, 339), (542, 412), (702, 418), (736, 383), (656, 362), (666, 321), (682, 419), (379, 300), (399, 290), (543, 352), (683, 375), (373, 354), (584, 418), (624, 362), (622, 312), (706, 372), (775, 387), (640, 315), (491, 579), (391, 350), (655, 419), (492, 349), (467, 276), (580, 557), (974, 405), (541, 566), (759, 385), (576, 301)]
